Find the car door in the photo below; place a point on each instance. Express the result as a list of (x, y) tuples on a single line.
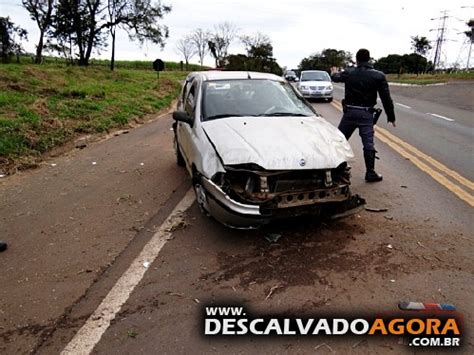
[(185, 131)]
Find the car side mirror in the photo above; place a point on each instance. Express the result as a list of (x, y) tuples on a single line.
[(182, 116)]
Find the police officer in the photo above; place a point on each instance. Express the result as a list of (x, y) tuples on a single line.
[(361, 86)]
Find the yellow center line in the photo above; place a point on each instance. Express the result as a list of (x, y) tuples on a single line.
[(462, 194), (443, 168), (469, 184), (398, 145), (337, 105)]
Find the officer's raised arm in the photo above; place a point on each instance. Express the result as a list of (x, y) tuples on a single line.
[(384, 93), (339, 77)]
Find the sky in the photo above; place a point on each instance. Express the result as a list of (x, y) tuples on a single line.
[(297, 28)]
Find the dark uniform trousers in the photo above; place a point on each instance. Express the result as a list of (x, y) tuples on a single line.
[(364, 121)]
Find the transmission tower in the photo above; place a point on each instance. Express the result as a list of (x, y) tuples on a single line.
[(441, 33)]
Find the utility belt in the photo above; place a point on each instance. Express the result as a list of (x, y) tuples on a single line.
[(373, 110)]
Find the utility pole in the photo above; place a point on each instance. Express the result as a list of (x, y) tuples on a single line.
[(440, 37)]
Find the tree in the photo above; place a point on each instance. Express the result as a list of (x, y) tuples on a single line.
[(10, 39), (470, 33), (325, 60), (397, 64), (66, 29), (185, 47), (139, 18), (41, 11), (200, 39), (82, 23), (115, 9), (77, 22), (220, 40), (420, 46), (254, 41), (336, 58), (470, 36), (259, 57)]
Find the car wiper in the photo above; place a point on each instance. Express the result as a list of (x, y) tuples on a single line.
[(222, 116), (283, 114)]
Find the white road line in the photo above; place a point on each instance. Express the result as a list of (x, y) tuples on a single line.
[(442, 117), (91, 332), (402, 105)]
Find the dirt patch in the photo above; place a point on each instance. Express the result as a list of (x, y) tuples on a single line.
[(16, 87), (40, 107), (314, 253)]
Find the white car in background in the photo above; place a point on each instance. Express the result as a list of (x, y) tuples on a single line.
[(315, 84), (257, 151)]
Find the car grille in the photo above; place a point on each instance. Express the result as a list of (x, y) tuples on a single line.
[(316, 87)]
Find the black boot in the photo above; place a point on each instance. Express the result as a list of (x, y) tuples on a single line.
[(371, 175), (3, 246)]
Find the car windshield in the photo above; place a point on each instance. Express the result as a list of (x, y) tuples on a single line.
[(251, 97), (315, 76), (289, 72)]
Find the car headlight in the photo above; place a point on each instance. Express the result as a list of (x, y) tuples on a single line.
[(329, 87), (302, 87)]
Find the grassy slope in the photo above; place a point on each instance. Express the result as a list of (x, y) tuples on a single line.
[(42, 107), (424, 79)]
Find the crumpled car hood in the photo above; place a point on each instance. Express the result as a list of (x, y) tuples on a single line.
[(279, 143)]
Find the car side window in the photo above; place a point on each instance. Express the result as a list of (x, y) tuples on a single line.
[(190, 102)]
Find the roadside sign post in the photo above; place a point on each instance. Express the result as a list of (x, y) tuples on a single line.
[(158, 65)]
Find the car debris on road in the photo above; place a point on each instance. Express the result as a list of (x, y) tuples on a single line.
[(272, 290), (273, 237), (373, 209)]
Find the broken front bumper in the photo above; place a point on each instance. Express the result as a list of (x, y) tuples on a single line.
[(335, 203)]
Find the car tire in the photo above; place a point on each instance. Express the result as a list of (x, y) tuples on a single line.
[(201, 196), (179, 157), (330, 99)]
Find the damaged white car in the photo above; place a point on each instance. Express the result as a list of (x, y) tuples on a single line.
[(256, 150)]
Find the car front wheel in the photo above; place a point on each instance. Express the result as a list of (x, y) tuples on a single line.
[(201, 197), (179, 157)]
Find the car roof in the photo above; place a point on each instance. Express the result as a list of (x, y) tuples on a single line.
[(232, 75)]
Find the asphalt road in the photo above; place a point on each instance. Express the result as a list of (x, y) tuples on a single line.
[(77, 227), (439, 124)]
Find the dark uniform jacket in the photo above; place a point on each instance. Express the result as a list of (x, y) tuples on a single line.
[(361, 87)]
